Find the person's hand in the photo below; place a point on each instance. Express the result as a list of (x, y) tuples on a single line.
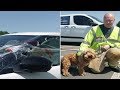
[(105, 48)]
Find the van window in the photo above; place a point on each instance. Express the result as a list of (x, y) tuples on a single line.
[(65, 20), (82, 20), (96, 18)]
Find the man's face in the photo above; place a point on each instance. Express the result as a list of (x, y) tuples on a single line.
[(108, 21)]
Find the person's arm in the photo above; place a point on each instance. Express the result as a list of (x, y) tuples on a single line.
[(117, 44), (87, 41)]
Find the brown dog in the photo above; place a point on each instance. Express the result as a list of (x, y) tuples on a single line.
[(79, 61)]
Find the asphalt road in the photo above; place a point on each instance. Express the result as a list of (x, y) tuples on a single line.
[(106, 74)]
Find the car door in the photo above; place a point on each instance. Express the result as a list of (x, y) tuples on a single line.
[(74, 28), (81, 25), (65, 26)]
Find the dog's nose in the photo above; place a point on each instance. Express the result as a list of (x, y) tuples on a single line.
[(90, 56)]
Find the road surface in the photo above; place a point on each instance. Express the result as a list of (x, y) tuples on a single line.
[(106, 74)]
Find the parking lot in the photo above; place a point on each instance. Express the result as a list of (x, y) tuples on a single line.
[(106, 74)]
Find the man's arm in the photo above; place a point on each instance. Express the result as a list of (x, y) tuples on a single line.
[(117, 44), (87, 41)]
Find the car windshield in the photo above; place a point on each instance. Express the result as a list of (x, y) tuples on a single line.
[(53, 45), (13, 42), (96, 18), (52, 42), (21, 38)]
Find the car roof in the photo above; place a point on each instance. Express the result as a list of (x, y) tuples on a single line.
[(74, 14), (35, 33)]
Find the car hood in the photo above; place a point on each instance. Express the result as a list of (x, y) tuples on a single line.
[(53, 73)]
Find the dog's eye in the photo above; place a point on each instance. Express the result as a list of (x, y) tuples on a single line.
[(86, 52)]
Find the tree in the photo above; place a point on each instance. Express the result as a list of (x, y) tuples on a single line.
[(3, 32), (118, 24)]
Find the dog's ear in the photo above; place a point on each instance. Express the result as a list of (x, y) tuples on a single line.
[(94, 53), (81, 56), (83, 53), (94, 56)]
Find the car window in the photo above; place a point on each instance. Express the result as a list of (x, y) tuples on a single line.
[(65, 20), (8, 60), (41, 38), (52, 42), (21, 38), (38, 38), (96, 18), (82, 20)]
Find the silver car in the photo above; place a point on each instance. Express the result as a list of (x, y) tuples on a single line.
[(41, 52)]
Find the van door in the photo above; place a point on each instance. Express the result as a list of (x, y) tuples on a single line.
[(81, 25), (74, 28), (65, 26)]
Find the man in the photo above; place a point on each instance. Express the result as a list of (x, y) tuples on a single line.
[(102, 35)]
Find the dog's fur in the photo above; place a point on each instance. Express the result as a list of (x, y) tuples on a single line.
[(80, 61)]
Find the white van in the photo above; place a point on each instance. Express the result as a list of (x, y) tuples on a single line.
[(75, 26)]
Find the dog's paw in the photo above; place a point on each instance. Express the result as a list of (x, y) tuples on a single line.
[(83, 74), (66, 74)]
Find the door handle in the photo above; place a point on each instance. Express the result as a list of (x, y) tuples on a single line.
[(73, 27), (66, 26)]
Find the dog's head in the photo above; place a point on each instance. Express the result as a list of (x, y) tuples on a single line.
[(88, 55)]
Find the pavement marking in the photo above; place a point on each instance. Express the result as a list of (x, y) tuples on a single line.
[(115, 75)]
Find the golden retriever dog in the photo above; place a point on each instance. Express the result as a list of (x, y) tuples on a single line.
[(80, 61)]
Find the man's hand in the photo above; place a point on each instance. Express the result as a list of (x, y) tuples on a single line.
[(105, 48)]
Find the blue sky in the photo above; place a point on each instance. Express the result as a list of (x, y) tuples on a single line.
[(40, 21), (30, 21), (98, 14)]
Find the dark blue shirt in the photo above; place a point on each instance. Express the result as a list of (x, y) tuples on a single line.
[(106, 31)]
